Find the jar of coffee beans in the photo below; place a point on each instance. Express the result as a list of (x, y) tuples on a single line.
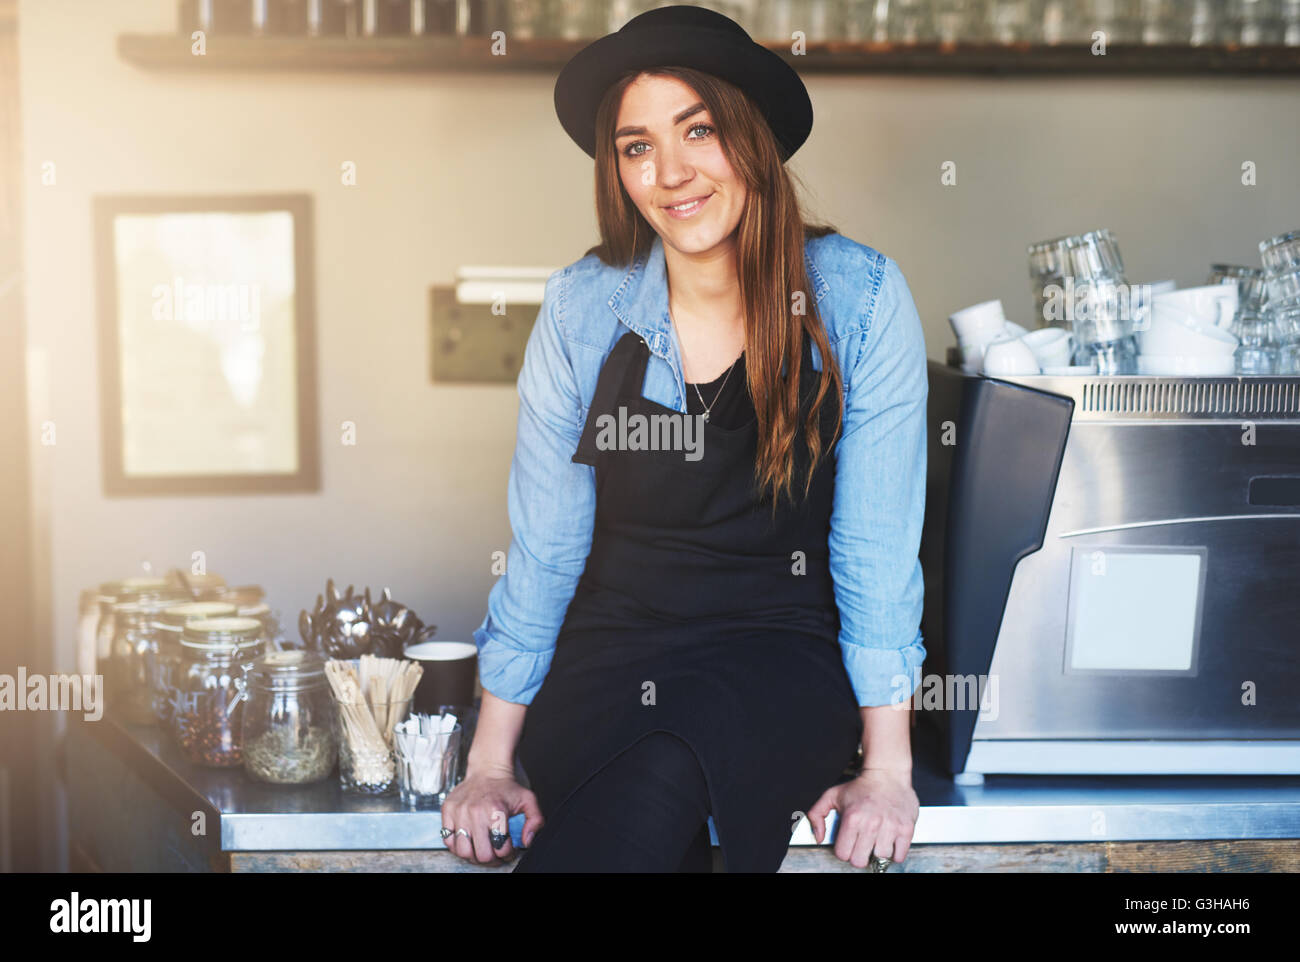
[(169, 623), (288, 724), (206, 702)]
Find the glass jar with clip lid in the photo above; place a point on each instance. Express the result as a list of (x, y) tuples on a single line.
[(132, 663), (206, 719), (288, 718), (169, 623), (142, 588)]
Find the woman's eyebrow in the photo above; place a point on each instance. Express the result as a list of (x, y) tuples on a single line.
[(689, 112)]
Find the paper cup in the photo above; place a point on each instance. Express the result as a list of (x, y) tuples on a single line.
[(450, 670)]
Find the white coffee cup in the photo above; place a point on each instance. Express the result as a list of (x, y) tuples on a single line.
[(1174, 333), (1052, 346), (1009, 357), (979, 322), (975, 327), (1214, 305)]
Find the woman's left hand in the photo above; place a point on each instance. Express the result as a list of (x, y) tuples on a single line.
[(878, 811)]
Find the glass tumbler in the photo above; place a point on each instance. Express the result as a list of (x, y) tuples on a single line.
[(1257, 351), (1166, 22), (367, 764), (1049, 265), (1281, 254), (427, 766), (1286, 330)]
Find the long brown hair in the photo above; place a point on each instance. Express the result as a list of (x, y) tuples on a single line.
[(779, 305)]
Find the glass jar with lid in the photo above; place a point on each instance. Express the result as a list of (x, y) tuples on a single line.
[(206, 703), (242, 596), (168, 624), (272, 632), (203, 587), (132, 658), (288, 718), (128, 589)]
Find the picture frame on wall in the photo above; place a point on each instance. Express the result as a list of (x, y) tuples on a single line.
[(207, 344)]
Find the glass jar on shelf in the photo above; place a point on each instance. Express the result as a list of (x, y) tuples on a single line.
[(131, 662), (580, 19), (288, 729), (202, 587), (169, 623), (206, 702), (271, 631), (1253, 23), (128, 589), (910, 22), (241, 596)]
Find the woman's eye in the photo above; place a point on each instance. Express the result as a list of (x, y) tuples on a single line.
[(630, 150)]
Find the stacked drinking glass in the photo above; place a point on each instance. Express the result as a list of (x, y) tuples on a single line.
[(1253, 327), (1281, 257), (1048, 269), (1084, 275)]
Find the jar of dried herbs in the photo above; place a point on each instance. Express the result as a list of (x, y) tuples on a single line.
[(169, 623), (288, 724), (206, 702)]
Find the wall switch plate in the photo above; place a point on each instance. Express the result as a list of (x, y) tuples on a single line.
[(471, 345)]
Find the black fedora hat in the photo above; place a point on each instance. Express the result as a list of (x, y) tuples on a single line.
[(684, 36)]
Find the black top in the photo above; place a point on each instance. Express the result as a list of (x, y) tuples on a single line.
[(734, 407)]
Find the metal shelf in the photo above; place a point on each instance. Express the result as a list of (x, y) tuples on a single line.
[(454, 54)]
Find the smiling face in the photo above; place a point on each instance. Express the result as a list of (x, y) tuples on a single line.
[(672, 166)]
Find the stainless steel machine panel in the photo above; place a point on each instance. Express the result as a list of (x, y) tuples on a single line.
[(1164, 602)]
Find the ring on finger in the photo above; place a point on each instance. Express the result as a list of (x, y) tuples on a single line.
[(878, 864)]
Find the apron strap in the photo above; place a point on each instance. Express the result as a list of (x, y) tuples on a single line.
[(623, 370)]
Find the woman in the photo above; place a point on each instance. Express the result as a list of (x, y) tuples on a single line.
[(712, 594)]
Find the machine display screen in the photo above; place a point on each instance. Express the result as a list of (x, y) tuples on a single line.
[(1134, 609)]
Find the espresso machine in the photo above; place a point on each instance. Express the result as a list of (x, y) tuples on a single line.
[(1112, 567)]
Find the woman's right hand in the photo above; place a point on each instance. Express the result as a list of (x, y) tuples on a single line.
[(483, 802)]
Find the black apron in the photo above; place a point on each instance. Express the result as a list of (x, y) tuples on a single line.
[(701, 614)]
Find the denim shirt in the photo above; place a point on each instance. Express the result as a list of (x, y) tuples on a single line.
[(879, 501)]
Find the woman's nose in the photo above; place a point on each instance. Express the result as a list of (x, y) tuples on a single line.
[(673, 170)]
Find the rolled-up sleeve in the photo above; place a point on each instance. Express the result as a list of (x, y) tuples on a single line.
[(551, 503), (879, 503)]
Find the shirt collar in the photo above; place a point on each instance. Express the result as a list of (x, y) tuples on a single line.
[(641, 300)]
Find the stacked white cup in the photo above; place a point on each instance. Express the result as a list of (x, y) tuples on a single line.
[(992, 345), (1189, 332)]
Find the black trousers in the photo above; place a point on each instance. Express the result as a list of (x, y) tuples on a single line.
[(645, 811)]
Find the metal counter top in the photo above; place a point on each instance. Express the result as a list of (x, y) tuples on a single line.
[(1005, 808)]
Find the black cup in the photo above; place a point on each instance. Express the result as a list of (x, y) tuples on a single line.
[(450, 669)]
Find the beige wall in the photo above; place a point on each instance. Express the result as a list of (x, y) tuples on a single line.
[(475, 169)]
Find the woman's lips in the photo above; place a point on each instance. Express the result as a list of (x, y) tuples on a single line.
[(690, 211)]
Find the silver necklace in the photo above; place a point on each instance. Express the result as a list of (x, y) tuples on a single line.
[(709, 407)]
